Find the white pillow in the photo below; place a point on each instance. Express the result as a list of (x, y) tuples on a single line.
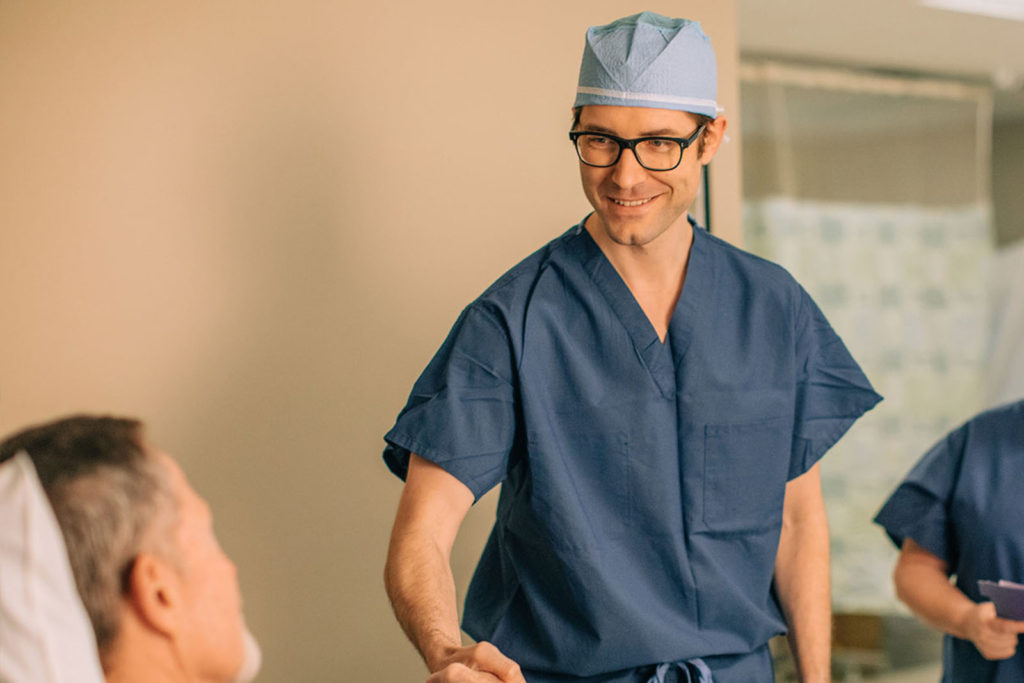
[(45, 634)]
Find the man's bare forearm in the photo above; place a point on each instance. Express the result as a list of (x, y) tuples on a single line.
[(922, 582), (802, 578), (418, 574), (419, 582), (418, 579)]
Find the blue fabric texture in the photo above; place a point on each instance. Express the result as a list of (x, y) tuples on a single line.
[(648, 60), (642, 481), (963, 502)]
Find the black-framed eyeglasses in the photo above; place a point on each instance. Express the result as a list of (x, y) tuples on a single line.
[(655, 153)]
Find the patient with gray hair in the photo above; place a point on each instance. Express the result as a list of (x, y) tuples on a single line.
[(160, 593)]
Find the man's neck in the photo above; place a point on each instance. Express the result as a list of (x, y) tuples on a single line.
[(662, 260), (149, 661), (653, 272)]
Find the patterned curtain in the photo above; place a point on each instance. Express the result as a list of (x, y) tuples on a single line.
[(843, 189)]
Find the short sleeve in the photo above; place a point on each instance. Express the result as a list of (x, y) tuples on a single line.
[(831, 392), (461, 413), (919, 508)]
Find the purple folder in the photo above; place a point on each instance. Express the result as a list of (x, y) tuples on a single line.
[(1008, 597)]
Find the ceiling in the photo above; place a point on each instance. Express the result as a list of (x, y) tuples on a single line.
[(892, 35)]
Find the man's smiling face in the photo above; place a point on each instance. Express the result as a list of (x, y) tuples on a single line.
[(634, 206)]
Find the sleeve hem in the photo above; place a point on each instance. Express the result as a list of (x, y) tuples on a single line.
[(815, 449), (400, 446)]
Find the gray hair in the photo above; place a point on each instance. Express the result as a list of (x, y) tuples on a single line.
[(109, 494)]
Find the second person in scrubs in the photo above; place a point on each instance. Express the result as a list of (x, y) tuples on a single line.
[(960, 511)]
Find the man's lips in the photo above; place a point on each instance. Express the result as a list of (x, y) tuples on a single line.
[(631, 202)]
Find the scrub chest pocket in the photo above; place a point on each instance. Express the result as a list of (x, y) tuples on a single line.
[(745, 470)]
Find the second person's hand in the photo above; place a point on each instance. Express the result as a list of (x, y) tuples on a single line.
[(994, 637)]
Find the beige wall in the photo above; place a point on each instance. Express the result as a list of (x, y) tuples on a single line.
[(253, 224)]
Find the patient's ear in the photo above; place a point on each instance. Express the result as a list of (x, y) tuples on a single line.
[(154, 593)]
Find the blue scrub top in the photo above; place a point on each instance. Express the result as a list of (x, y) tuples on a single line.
[(964, 503), (642, 482)]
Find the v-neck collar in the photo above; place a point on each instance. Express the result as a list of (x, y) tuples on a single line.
[(660, 358), (686, 316)]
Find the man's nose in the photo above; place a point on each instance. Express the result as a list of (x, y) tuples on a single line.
[(627, 171)]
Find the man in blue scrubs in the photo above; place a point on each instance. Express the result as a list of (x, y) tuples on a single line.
[(653, 403), (960, 511)]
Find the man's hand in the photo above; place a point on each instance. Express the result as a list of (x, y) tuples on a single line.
[(480, 663), (995, 638)]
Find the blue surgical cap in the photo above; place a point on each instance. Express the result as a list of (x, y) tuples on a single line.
[(648, 60)]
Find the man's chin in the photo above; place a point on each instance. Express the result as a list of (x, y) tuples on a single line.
[(636, 235)]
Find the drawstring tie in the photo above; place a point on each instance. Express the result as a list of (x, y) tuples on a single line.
[(695, 669)]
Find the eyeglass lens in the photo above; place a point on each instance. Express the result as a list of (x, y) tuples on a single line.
[(655, 154)]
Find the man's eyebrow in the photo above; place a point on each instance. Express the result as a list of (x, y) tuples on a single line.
[(660, 132), (597, 129)]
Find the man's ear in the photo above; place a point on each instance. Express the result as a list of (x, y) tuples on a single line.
[(154, 593), (713, 136)]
